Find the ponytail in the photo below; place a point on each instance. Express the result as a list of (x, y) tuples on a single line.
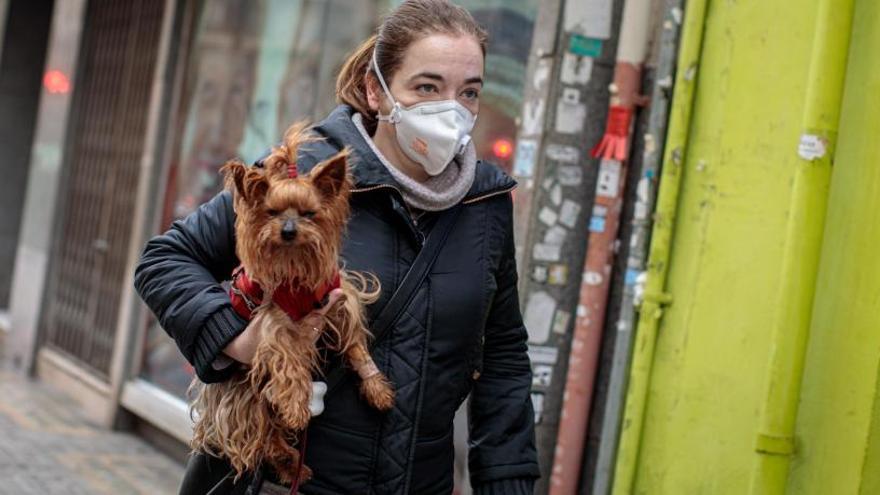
[(350, 86)]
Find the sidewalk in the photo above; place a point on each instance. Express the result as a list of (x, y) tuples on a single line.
[(47, 448)]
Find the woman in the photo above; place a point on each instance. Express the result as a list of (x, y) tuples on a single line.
[(409, 97)]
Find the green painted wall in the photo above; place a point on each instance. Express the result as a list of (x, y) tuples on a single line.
[(711, 363), (838, 428)]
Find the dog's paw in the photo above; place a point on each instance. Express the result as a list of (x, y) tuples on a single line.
[(287, 472), (296, 415), (378, 392)]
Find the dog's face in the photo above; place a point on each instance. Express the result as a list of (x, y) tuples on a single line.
[(290, 228)]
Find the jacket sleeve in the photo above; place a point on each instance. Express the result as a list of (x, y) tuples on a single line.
[(178, 276), (502, 455)]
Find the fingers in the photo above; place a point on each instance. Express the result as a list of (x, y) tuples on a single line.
[(334, 296), (315, 320)]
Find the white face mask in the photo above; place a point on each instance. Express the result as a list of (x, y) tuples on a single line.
[(430, 133)]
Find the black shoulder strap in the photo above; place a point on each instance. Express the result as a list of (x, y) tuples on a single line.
[(405, 292)]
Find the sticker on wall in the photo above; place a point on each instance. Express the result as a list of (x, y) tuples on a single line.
[(538, 316), (562, 153), (570, 112), (597, 224), (542, 375), (570, 175), (524, 164), (557, 274), (547, 216), (641, 207), (542, 73), (539, 354), (588, 18), (575, 69), (538, 406), (812, 147), (539, 274), (569, 212), (560, 321), (631, 276), (556, 195), (585, 47), (533, 117), (546, 252), (608, 181), (592, 278), (555, 235)]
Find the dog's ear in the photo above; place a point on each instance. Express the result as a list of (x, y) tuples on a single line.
[(256, 184), (250, 183), (331, 175), (233, 172)]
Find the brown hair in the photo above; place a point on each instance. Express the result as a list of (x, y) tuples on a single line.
[(408, 23)]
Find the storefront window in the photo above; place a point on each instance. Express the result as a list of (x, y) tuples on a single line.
[(254, 67)]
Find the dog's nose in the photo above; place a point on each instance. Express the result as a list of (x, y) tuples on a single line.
[(288, 231)]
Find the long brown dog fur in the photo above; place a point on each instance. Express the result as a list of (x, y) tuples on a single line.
[(253, 417)]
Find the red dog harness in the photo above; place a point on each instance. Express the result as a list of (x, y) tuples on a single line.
[(297, 302)]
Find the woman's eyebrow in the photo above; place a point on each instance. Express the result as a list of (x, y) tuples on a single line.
[(429, 75), (438, 77)]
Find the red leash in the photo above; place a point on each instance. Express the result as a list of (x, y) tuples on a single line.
[(294, 487)]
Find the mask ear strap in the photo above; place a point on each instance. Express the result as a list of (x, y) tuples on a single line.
[(394, 116)]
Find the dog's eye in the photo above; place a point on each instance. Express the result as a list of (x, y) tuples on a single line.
[(272, 213), (308, 214)]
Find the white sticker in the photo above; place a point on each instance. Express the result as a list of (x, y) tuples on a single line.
[(600, 211), (543, 354), (546, 252), (538, 406), (542, 375), (568, 215), (548, 216), (560, 321), (592, 278), (556, 195), (539, 274), (590, 18), (571, 96), (524, 164), (608, 181), (533, 117), (542, 73), (538, 316), (570, 175), (575, 69), (812, 147), (555, 235), (562, 153), (641, 208), (570, 112)]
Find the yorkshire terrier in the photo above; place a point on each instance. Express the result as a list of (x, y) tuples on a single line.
[(288, 236)]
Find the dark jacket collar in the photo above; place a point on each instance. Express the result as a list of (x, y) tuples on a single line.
[(369, 172)]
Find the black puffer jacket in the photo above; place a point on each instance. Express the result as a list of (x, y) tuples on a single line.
[(462, 333)]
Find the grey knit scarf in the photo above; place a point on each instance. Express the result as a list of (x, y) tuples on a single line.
[(437, 193)]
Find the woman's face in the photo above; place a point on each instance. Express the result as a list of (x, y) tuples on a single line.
[(437, 67)]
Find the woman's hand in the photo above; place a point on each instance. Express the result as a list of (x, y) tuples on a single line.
[(243, 347)]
